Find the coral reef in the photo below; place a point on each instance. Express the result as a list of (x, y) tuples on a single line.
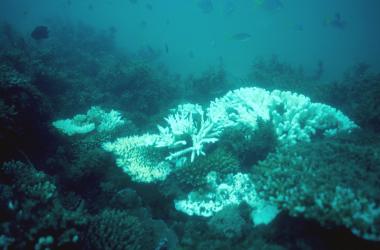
[(24, 110), (193, 174), (294, 117), (272, 73), (190, 130), (137, 156), (33, 211), (240, 160), (232, 190), (95, 118), (357, 95), (333, 182), (209, 85), (250, 145), (118, 229), (228, 222), (115, 229)]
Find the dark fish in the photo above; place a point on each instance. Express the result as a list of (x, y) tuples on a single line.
[(229, 8), (133, 1), (206, 6), (149, 6), (40, 32), (90, 7), (112, 30), (299, 27), (143, 24), (270, 4), (241, 36), (336, 21), (319, 71), (166, 48)]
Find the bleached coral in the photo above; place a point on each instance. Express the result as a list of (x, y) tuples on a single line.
[(77, 125), (244, 105), (95, 119), (222, 193), (137, 156), (105, 121), (294, 117), (189, 130), (231, 191)]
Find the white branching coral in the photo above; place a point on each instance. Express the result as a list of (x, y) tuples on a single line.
[(294, 117), (179, 124), (189, 130), (106, 121)]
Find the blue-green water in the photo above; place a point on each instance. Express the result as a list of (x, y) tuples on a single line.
[(299, 32)]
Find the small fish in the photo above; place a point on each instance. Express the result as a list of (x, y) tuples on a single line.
[(269, 4), (336, 21), (241, 37), (40, 32), (166, 48), (143, 24), (206, 6), (112, 29), (148, 6), (229, 8), (133, 1), (299, 27)]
